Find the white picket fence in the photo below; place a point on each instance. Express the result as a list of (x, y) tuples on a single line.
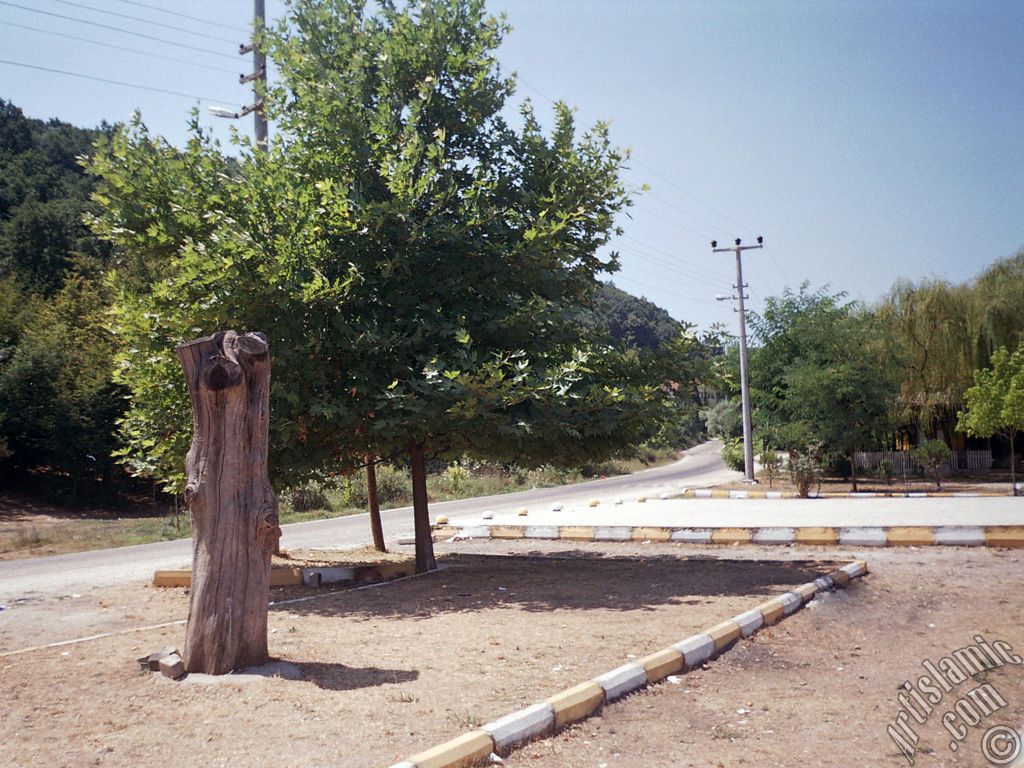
[(901, 461)]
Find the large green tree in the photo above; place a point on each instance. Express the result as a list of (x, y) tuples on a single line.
[(819, 377), (415, 262)]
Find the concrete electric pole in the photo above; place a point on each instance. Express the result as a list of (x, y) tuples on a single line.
[(258, 74), (748, 437)]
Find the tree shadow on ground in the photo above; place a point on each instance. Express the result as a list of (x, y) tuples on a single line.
[(567, 580), (338, 677)]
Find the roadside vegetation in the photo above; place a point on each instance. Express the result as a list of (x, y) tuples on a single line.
[(437, 300)]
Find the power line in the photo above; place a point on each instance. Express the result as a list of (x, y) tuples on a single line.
[(118, 47), (145, 21), (668, 203), (671, 256), (119, 29), (688, 271), (683, 227), (662, 289), (184, 16), (110, 82), (694, 197)]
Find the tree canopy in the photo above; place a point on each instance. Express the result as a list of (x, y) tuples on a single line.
[(994, 404), (415, 262), (57, 401), (818, 378)]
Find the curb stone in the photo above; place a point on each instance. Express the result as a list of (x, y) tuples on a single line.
[(1008, 536), (722, 493), (581, 701)]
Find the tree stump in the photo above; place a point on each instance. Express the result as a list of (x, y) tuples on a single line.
[(230, 500)]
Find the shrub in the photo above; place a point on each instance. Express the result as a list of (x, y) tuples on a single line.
[(805, 472), (732, 454), (306, 498), (771, 464), (885, 471), (932, 454)]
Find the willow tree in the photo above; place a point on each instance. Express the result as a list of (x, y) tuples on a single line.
[(932, 332), (415, 262)]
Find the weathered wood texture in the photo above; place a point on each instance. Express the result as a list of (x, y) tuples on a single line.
[(233, 507)]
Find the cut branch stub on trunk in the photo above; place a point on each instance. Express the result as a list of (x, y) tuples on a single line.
[(232, 505)]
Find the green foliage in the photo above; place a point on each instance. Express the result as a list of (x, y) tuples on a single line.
[(939, 333), (308, 497), (932, 454), (631, 321), (58, 404), (805, 472), (732, 454), (43, 194), (415, 263), (994, 404), (724, 419), (821, 375), (771, 464), (56, 395), (885, 471)]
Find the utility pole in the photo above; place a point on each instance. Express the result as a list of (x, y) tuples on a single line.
[(258, 74), (748, 429), (259, 70)]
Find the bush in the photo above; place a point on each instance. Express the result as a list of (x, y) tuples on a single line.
[(732, 454), (885, 471), (933, 455), (805, 472), (771, 464), (394, 488), (724, 419), (305, 498)]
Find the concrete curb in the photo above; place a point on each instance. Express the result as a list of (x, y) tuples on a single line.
[(291, 576), (722, 493), (1008, 536), (583, 700)]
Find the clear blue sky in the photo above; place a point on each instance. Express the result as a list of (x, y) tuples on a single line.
[(867, 141)]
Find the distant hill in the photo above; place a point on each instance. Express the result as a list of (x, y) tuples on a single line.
[(633, 321), (43, 193)]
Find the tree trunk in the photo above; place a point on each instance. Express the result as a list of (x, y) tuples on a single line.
[(371, 498), (853, 470), (230, 501), (420, 514), (1013, 463)]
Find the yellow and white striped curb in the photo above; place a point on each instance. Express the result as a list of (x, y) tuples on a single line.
[(583, 700), (1009, 536)]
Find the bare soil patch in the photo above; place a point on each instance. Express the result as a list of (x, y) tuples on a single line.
[(386, 672), (821, 687)]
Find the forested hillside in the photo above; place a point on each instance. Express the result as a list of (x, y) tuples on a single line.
[(58, 405)]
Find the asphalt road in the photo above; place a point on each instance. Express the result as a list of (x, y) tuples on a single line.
[(63, 574)]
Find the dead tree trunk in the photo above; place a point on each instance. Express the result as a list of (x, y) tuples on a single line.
[(232, 506), (420, 513), (376, 527)]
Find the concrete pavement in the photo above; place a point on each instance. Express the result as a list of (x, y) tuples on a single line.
[(760, 513)]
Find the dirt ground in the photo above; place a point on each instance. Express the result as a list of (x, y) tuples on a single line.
[(821, 687), (390, 671)]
